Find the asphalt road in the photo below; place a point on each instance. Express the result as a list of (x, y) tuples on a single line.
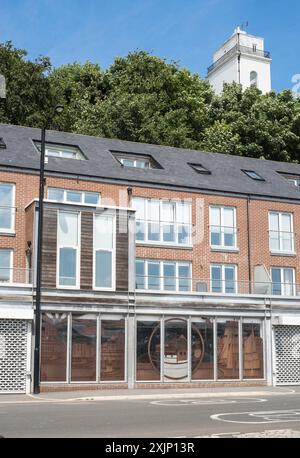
[(163, 418)]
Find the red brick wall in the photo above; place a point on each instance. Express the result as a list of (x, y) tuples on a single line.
[(201, 255)]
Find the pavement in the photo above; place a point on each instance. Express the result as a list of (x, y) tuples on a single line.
[(147, 394)]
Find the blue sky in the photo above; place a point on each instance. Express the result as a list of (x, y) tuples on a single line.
[(187, 31)]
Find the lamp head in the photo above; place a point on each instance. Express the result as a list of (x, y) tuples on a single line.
[(59, 109)]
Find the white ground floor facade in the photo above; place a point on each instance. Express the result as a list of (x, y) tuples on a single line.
[(156, 341)]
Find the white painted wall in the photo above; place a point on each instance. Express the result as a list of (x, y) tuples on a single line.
[(261, 67), (227, 72)]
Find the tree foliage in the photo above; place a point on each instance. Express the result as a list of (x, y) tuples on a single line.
[(143, 98)]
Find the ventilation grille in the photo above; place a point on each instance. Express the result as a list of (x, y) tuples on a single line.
[(287, 347), (13, 355)]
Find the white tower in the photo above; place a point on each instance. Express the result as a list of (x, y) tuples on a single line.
[(242, 59)]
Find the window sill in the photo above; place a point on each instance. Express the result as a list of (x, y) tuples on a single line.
[(163, 245), (225, 249), (283, 253), (7, 233)]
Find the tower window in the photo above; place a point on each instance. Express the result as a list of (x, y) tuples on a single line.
[(253, 78)]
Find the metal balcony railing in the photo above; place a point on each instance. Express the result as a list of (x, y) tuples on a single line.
[(183, 285), (242, 49), (15, 276), (281, 241)]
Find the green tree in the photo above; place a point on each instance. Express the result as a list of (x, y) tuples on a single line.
[(250, 124), (77, 86), (28, 99), (149, 100)]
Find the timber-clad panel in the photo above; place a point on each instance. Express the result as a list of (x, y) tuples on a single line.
[(122, 251), (86, 262), (49, 248)]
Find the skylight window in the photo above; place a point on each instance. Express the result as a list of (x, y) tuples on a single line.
[(2, 143), (136, 161), (199, 168), (61, 151), (254, 175)]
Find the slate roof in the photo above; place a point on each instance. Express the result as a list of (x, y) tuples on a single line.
[(226, 170)]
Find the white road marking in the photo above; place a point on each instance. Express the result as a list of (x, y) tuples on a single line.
[(271, 416), (189, 402)]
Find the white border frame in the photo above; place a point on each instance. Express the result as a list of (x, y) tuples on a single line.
[(113, 251)]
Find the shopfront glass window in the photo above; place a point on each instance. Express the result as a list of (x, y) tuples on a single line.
[(84, 341), (252, 351), (228, 349), (112, 350), (148, 350), (54, 347), (202, 350), (175, 350)]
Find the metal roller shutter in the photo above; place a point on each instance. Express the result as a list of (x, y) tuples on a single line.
[(287, 351), (13, 355)]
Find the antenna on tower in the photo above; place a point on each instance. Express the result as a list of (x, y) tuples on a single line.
[(244, 25)]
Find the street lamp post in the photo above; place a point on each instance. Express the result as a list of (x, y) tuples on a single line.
[(37, 340)]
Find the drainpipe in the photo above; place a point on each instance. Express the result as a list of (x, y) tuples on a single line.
[(249, 245)]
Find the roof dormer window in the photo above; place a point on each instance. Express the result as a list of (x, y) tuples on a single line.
[(253, 175), (137, 161), (61, 151)]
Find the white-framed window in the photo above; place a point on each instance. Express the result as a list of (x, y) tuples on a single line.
[(104, 251), (7, 207), (140, 163), (159, 275), (6, 263), (61, 151), (166, 222), (253, 77), (223, 278), (283, 281), (74, 196), (222, 227), (68, 249), (281, 235), (295, 181)]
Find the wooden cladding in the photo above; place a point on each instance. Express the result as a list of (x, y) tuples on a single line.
[(86, 256), (86, 253), (49, 248), (122, 251)]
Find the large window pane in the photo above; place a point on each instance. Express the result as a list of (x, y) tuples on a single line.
[(215, 226), (56, 194), (6, 206), (5, 265), (252, 351), (103, 233), (153, 275), (175, 351), (68, 229), (54, 347), (216, 276), (91, 198), (74, 196), (140, 274), (184, 273), (169, 269), (154, 219), (148, 350), (67, 266), (228, 349), (288, 279), (103, 269), (230, 285), (84, 340), (202, 350), (276, 280), (112, 350)]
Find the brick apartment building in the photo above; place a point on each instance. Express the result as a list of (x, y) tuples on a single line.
[(160, 265)]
